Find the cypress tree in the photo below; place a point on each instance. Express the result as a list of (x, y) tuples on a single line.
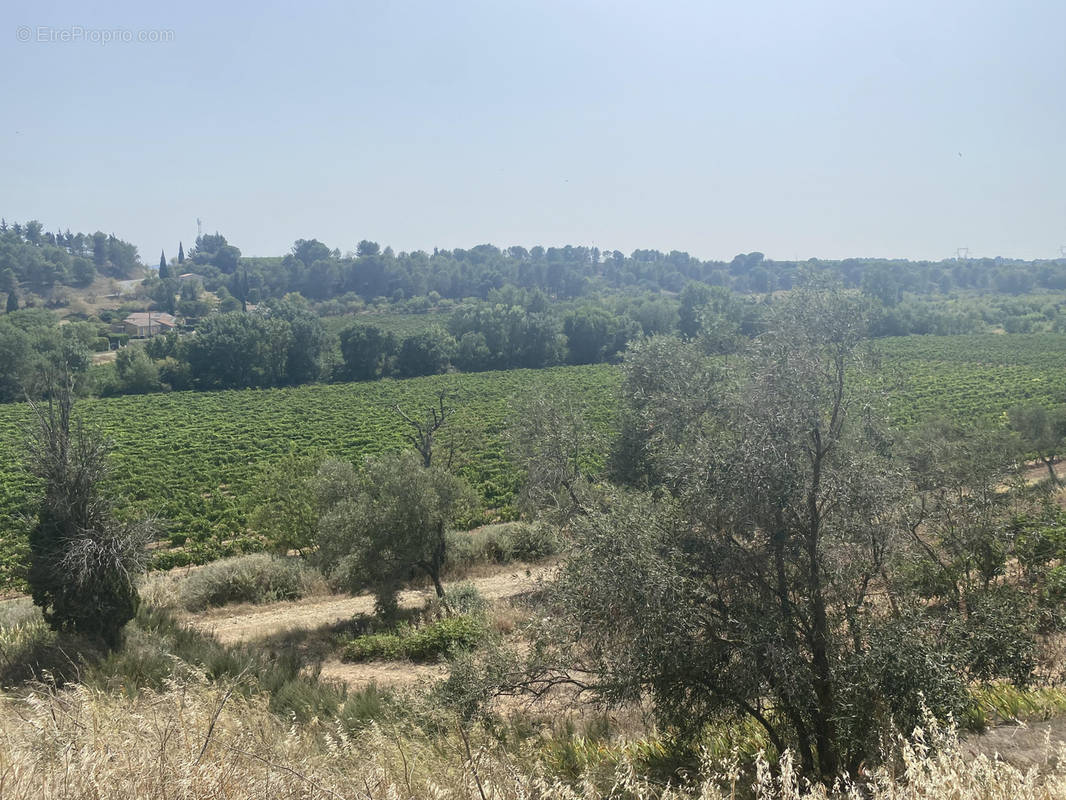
[(12, 301), (181, 254), (164, 272)]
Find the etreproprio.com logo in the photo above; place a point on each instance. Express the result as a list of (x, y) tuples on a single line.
[(73, 34)]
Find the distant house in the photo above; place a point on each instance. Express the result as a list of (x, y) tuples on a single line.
[(191, 276), (146, 324)]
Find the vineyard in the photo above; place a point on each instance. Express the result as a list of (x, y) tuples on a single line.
[(191, 459), (970, 379)]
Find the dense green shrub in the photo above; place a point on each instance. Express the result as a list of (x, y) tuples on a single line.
[(532, 542), (371, 646), (503, 543), (82, 555), (997, 638), (256, 578), (464, 598), (441, 638)]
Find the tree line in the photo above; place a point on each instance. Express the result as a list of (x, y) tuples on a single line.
[(320, 273), (285, 342), (42, 259)]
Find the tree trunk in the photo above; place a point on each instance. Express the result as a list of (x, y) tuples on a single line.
[(437, 564), (789, 634), (1050, 464), (437, 584), (824, 718)]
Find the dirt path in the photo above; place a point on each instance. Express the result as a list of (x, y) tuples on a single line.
[(248, 623), (1023, 746), (397, 674)]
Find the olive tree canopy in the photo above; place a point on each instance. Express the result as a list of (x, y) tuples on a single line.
[(381, 526)]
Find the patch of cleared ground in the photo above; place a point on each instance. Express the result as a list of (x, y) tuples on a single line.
[(248, 623), (401, 674), (1021, 745)]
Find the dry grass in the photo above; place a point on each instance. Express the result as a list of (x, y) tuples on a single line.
[(197, 740)]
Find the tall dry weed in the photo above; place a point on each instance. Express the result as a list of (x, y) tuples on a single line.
[(203, 740)]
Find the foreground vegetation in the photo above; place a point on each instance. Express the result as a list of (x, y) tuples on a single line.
[(203, 741), (177, 715)]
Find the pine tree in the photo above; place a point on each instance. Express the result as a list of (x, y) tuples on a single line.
[(181, 254), (164, 271)]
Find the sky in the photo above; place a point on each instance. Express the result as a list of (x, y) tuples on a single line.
[(798, 128)]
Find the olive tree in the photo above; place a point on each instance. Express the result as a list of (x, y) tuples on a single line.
[(282, 503), (381, 526), (756, 577), (555, 443), (1042, 431)]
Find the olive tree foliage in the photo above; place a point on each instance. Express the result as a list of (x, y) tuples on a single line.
[(83, 561), (381, 526), (283, 507), (1042, 431), (657, 368), (757, 576), (958, 515), (555, 444), (961, 532)]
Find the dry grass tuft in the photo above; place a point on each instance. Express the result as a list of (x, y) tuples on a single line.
[(200, 740)]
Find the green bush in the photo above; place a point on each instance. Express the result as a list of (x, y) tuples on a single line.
[(464, 598), (532, 542), (371, 646), (444, 637), (257, 578), (503, 543), (997, 637)]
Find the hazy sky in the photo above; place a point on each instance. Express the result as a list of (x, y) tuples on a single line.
[(828, 128)]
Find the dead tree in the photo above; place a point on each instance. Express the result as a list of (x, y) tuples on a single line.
[(423, 431)]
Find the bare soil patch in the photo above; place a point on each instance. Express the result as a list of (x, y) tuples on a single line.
[(247, 623), (1023, 745), (401, 674)]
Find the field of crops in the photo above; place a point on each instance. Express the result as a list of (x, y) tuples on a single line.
[(971, 379), (191, 458)]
